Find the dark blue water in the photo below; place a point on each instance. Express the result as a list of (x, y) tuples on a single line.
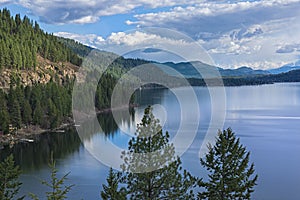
[(266, 118)]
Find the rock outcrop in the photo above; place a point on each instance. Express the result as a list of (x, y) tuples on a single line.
[(43, 73)]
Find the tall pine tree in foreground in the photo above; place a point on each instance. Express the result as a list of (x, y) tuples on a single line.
[(9, 183), (151, 169), (230, 175)]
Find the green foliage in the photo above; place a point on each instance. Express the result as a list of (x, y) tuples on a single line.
[(38, 114), (4, 115), (78, 48), (9, 183), (230, 176), (15, 114), (111, 191), (23, 106), (21, 40), (53, 114), (155, 172), (27, 113), (58, 190), (47, 105)]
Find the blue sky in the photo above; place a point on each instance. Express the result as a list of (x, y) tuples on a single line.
[(260, 34)]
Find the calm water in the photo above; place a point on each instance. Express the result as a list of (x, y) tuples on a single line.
[(266, 118)]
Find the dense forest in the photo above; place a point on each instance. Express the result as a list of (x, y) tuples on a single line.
[(46, 105), (43, 105), (22, 40)]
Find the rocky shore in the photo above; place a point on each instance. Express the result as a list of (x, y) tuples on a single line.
[(28, 134)]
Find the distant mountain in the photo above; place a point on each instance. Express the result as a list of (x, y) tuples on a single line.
[(286, 68), (187, 69), (242, 72)]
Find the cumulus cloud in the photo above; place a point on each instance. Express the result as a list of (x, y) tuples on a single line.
[(259, 50), (218, 17), (83, 11)]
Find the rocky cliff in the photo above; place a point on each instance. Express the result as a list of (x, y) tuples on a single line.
[(43, 73)]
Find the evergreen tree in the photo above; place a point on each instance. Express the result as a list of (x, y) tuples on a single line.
[(22, 40), (58, 189), (15, 115), (4, 120), (9, 183), (111, 191), (152, 180), (53, 114), (38, 114), (27, 113), (4, 115), (230, 176)]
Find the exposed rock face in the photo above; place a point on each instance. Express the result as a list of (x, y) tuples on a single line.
[(44, 72)]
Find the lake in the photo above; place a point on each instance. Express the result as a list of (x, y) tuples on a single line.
[(265, 118)]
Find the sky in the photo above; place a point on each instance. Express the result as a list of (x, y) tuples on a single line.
[(261, 34)]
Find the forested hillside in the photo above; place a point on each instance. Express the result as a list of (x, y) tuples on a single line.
[(22, 40), (37, 75)]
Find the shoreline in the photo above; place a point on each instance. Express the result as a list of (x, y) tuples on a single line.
[(29, 133)]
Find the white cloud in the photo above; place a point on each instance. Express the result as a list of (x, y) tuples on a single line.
[(83, 11), (89, 39), (233, 49), (218, 17), (85, 20)]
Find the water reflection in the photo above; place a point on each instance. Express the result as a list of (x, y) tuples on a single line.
[(108, 123), (35, 156)]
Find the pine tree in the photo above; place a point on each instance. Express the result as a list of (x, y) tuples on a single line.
[(4, 115), (111, 191), (230, 176), (27, 113), (9, 183), (58, 189), (4, 120), (37, 114), (53, 114), (158, 171), (15, 115)]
